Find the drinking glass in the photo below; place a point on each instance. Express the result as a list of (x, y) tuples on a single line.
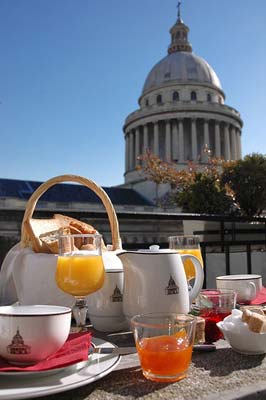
[(189, 244), (80, 272), (164, 343), (214, 305)]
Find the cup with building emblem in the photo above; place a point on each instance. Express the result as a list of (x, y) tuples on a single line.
[(29, 334)]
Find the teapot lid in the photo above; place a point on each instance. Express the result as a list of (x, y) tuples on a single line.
[(155, 249)]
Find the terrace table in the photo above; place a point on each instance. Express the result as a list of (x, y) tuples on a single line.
[(221, 374)]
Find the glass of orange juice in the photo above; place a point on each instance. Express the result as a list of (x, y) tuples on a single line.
[(188, 244), (164, 343), (80, 270)]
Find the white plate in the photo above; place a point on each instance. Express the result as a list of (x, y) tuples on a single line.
[(38, 384)]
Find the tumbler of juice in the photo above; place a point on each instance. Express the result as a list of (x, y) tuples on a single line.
[(164, 343), (188, 244)]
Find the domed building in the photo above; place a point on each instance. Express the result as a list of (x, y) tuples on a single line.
[(182, 115)]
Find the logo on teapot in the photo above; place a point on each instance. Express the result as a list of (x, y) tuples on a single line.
[(18, 346), (117, 295), (172, 287)]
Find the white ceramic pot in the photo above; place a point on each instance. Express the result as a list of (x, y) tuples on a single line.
[(155, 281), (105, 307), (29, 334)]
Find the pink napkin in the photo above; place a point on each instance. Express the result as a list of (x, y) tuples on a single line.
[(260, 298), (74, 350)]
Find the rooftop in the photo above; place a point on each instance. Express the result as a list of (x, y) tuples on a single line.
[(67, 193)]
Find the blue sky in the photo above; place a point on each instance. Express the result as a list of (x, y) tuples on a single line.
[(72, 70)]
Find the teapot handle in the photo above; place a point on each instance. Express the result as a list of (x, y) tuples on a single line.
[(199, 275)]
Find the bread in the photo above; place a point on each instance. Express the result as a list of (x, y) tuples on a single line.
[(39, 227), (43, 233), (75, 223), (87, 246), (51, 240), (200, 330), (77, 240)]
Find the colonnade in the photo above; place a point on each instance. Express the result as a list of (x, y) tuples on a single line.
[(183, 139)]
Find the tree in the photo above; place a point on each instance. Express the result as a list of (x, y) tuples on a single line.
[(194, 190), (247, 179), (205, 196)]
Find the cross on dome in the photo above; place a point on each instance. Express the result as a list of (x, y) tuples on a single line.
[(179, 35), (179, 11)]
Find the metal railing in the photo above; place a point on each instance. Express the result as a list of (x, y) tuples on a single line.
[(222, 234)]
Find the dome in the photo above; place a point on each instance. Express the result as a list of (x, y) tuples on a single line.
[(183, 67)]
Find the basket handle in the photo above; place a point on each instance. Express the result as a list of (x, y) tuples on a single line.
[(31, 204)]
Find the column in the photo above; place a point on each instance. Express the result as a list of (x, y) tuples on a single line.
[(239, 144), (168, 140), (175, 144), (227, 154), (234, 144), (194, 140), (206, 133), (217, 140), (145, 139), (136, 161), (131, 150), (181, 157), (156, 138), (127, 152)]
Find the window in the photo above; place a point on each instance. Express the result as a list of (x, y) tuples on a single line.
[(175, 96), (159, 99), (209, 97), (147, 102), (193, 96)]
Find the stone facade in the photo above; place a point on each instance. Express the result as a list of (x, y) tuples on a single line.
[(182, 116)]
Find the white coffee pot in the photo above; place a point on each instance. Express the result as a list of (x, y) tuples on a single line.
[(155, 281)]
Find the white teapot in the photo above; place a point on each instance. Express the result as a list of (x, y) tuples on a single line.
[(155, 281)]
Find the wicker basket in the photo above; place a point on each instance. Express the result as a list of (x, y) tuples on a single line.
[(29, 277), (28, 239)]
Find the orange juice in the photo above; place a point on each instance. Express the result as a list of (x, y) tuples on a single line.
[(188, 264), (165, 358), (80, 275)]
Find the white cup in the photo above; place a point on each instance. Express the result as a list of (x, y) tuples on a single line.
[(29, 334), (247, 286)]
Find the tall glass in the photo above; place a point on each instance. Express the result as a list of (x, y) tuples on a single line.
[(188, 244), (80, 272)]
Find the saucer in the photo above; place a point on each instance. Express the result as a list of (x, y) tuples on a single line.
[(41, 383)]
